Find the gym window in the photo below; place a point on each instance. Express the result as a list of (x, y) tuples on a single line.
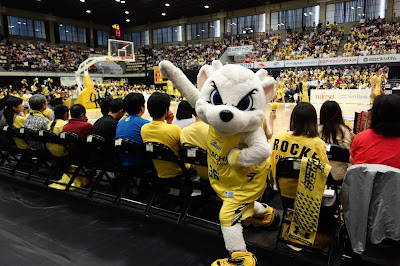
[(26, 27)]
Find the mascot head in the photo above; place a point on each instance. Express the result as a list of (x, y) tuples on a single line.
[(233, 98)]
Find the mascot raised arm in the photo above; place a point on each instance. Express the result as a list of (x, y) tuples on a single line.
[(232, 100)]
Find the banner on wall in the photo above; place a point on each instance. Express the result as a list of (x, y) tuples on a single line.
[(384, 58), (269, 64), (301, 63), (341, 96), (338, 61), (239, 50), (71, 81)]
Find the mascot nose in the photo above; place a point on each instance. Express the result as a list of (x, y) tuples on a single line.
[(226, 115)]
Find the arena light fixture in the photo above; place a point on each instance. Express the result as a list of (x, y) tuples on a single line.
[(19, 22), (128, 20), (118, 1), (127, 12), (310, 13), (67, 31), (206, 6), (83, 1), (122, 2), (88, 11), (352, 7), (61, 25), (163, 14), (359, 7), (203, 30), (166, 4)]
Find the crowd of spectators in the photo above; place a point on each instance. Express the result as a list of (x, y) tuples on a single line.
[(374, 37), (41, 57), (353, 77), (311, 44)]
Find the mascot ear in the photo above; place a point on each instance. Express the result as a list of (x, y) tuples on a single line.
[(203, 75), (267, 83)]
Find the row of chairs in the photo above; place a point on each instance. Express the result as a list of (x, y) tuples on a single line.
[(95, 145)]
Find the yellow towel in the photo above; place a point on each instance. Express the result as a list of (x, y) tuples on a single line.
[(310, 189), (80, 180)]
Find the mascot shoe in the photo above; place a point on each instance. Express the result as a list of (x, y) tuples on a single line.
[(237, 259), (269, 218)]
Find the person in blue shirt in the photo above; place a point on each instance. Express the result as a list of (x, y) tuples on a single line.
[(129, 127)]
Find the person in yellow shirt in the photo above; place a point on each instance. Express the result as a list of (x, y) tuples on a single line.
[(56, 126), (376, 82), (161, 132), (15, 116), (195, 135), (343, 85), (300, 141)]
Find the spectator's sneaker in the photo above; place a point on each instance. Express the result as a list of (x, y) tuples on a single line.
[(237, 259), (270, 218)]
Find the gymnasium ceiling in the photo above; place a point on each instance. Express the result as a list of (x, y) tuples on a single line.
[(140, 11)]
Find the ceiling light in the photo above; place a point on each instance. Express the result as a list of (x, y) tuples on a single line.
[(203, 30), (352, 7), (166, 4), (127, 12), (310, 13), (37, 30), (66, 31), (83, 1), (118, 1), (60, 25), (19, 22), (24, 23), (206, 6), (128, 20), (359, 7), (122, 2), (198, 35), (163, 14), (88, 11)]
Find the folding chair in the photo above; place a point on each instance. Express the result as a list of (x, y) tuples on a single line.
[(129, 147), (71, 141), (290, 168), (162, 152), (47, 136), (96, 145), (7, 146), (337, 153)]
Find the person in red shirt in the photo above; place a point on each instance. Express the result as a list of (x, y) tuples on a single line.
[(78, 123), (381, 143)]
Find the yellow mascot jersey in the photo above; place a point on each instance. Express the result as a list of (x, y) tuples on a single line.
[(232, 185), (286, 145)]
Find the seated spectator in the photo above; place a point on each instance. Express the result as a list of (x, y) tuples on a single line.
[(131, 125), (78, 124), (195, 135), (105, 105), (333, 130), (379, 144), (105, 127), (56, 126), (162, 132), (15, 116), (183, 115), (301, 141), (37, 120)]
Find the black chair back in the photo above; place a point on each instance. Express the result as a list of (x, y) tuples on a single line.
[(30, 134), (95, 143), (47, 136), (287, 168), (69, 139), (193, 155), (127, 146), (160, 151), (337, 153)]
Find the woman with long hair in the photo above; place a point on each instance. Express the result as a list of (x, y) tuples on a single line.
[(333, 130), (300, 141), (184, 115), (380, 144), (15, 116), (56, 126)]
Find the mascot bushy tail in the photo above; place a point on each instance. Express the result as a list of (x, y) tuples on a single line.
[(232, 100)]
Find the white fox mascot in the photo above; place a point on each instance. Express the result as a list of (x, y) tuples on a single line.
[(232, 100)]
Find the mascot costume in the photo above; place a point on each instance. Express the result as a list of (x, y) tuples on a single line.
[(232, 100)]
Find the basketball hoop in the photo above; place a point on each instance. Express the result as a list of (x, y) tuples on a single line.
[(126, 57)]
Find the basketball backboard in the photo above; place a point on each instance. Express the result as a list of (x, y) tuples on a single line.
[(121, 50)]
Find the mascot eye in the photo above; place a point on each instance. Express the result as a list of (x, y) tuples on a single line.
[(216, 98), (246, 103)]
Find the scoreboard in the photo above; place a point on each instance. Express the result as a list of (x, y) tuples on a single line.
[(116, 31), (158, 78)]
